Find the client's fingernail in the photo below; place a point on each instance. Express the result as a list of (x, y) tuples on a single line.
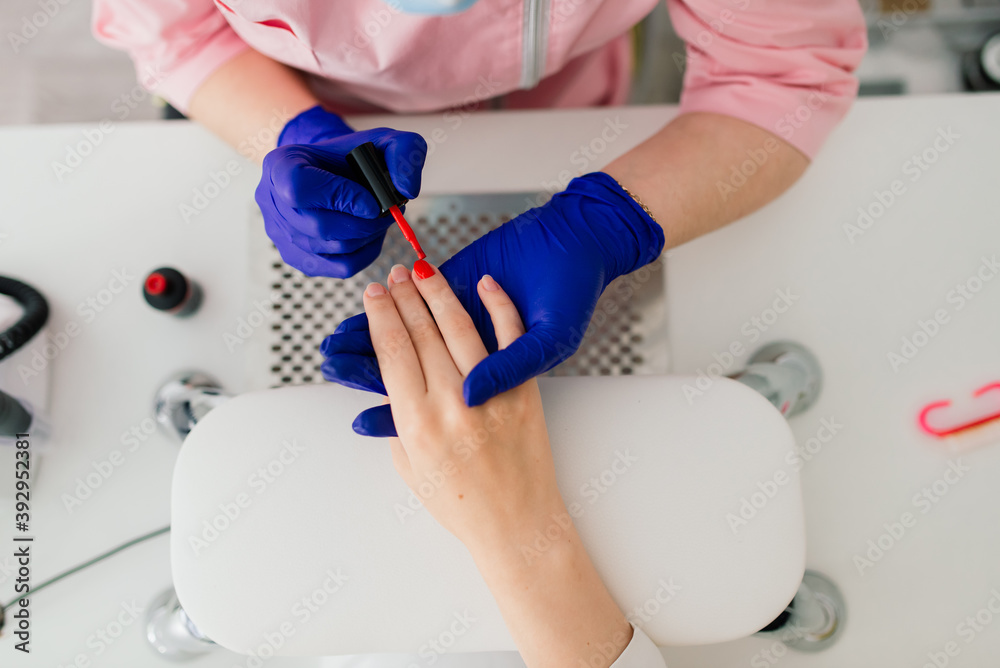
[(374, 290), (423, 269), (399, 274), (489, 283)]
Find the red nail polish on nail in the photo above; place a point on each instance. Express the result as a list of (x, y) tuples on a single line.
[(422, 269)]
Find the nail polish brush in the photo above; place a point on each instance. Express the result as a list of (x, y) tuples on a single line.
[(370, 168)]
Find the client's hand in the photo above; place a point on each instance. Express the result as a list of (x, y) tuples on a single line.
[(491, 470), (490, 466)]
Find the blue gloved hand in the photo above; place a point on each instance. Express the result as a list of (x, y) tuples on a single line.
[(553, 261), (322, 221)]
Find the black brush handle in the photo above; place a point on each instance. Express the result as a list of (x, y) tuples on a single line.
[(369, 165)]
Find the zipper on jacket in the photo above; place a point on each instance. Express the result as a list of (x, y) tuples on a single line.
[(534, 41)]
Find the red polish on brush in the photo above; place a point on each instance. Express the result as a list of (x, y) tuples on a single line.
[(369, 165), (407, 231)]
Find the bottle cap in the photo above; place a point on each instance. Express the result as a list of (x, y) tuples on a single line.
[(165, 288)]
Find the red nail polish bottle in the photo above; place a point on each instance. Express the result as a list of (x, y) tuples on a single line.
[(168, 290)]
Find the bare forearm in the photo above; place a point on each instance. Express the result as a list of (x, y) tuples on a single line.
[(248, 100), (552, 599), (684, 173)]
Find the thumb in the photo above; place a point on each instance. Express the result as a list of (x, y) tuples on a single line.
[(531, 354), (405, 153), (375, 422)]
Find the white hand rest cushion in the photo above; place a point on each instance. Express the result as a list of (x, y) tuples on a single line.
[(290, 530)]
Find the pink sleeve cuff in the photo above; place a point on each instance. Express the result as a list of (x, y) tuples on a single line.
[(784, 66), (175, 45), (187, 74), (802, 117)]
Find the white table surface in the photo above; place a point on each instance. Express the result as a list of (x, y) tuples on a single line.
[(119, 209), (854, 303)]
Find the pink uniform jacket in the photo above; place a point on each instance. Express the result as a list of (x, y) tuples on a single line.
[(784, 65)]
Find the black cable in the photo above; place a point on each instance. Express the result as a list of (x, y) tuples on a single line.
[(36, 312), (86, 564)]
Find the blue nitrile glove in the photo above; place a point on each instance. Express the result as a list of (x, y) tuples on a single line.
[(553, 261), (322, 221)]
